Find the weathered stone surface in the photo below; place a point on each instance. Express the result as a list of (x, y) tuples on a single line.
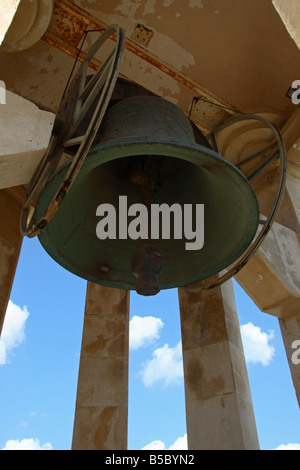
[(290, 15), (102, 393), (290, 330), (11, 201), (25, 131), (219, 408), (102, 381), (102, 428)]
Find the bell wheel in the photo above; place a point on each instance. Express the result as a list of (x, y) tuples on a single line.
[(85, 93)]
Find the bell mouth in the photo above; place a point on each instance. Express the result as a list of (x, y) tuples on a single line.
[(190, 173)]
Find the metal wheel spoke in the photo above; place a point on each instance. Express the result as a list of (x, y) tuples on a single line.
[(82, 74), (89, 100), (75, 141), (256, 155), (102, 69), (263, 166), (74, 106)]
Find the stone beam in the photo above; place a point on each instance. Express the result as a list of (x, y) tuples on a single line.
[(293, 187), (25, 131)]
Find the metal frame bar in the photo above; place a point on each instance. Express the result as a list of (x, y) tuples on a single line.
[(266, 225), (65, 113)]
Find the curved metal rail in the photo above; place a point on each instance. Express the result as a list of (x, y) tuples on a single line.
[(73, 108), (212, 282)]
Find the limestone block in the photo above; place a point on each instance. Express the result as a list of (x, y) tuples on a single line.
[(25, 131), (290, 330), (102, 393), (101, 382), (206, 377), (101, 428), (294, 153), (219, 407), (272, 277), (290, 134), (282, 251), (219, 427), (106, 300), (106, 338), (293, 186)]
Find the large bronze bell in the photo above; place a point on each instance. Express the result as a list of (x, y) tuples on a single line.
[(146, 150)]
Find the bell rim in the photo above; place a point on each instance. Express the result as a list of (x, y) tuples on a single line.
[(176, 145)]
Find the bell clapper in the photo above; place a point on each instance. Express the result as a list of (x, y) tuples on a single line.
[(148, 261)]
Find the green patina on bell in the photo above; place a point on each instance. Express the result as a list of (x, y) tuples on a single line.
[(146, 150)]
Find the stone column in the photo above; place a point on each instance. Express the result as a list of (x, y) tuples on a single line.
[(290, 330), (102, 393), (219, 409), (11, 201)]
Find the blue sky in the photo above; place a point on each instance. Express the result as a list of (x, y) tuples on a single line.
[(39, 360)]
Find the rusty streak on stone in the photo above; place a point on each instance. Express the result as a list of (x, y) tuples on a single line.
[(71, 51)]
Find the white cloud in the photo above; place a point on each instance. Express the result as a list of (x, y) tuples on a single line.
[(143, 331), (179, 444), (257, 345), (155, 445), (26, 444), (291, 446), (165, 365), (13, 331)]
